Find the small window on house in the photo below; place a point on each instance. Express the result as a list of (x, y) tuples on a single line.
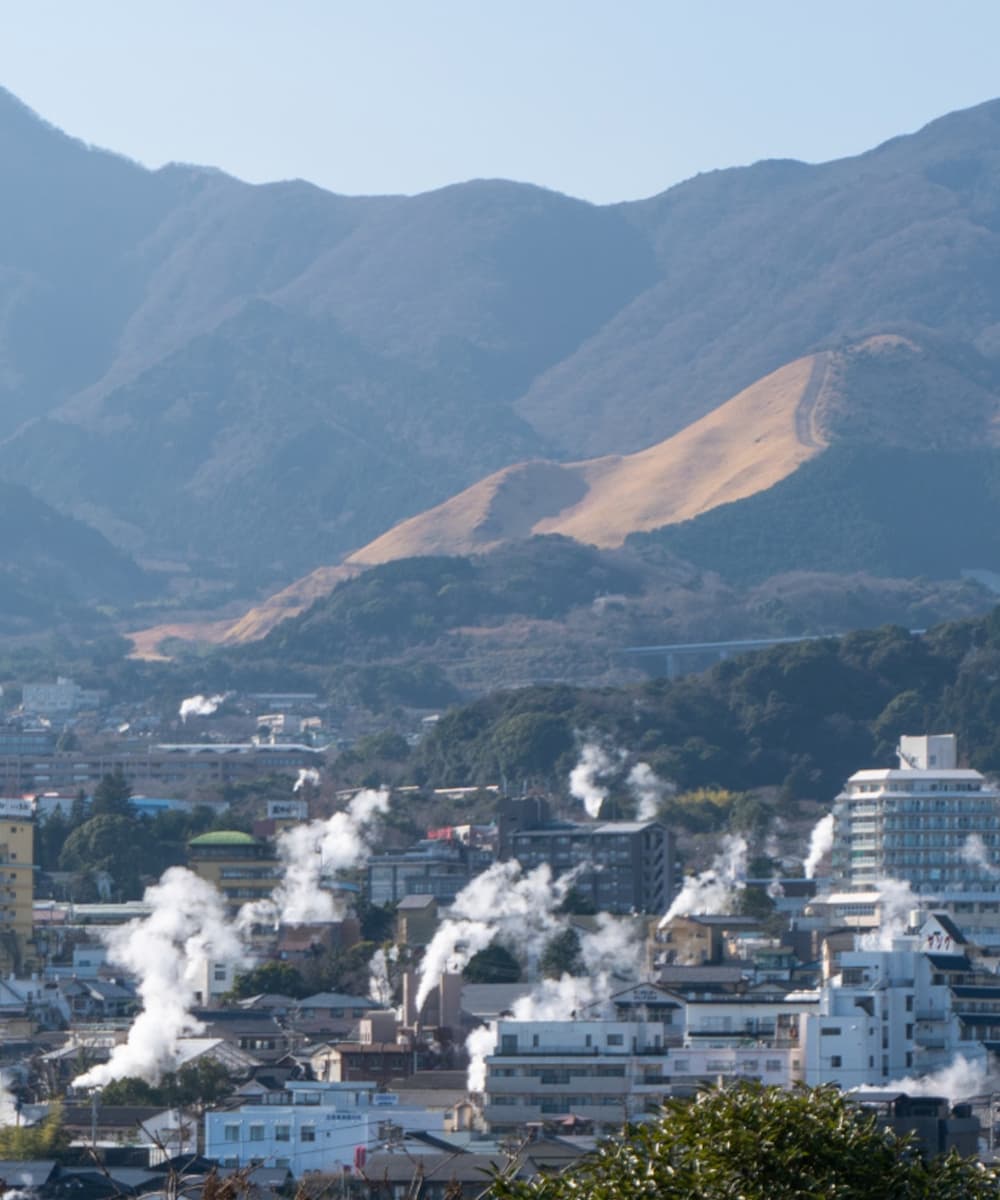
[(836, 1061), (230, 1133), (616, 1039), (282, 1133), (307, 1133), (256, 1133)]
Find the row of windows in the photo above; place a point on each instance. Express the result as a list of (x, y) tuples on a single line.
[(258, 1133)]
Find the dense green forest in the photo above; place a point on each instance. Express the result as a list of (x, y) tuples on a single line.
[(412, 600), (803, 716)]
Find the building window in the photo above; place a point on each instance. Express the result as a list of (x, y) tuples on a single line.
[(230, 1133), (282, 1133), (836, 1061), (307, 1133), (616, 1039), (256, 1133)]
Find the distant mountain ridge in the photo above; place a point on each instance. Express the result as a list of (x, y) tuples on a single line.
[(261, 380), (54, 569)]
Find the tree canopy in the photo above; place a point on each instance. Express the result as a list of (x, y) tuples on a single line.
[(751, 1142)]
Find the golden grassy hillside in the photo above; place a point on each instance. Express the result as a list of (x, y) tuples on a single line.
[(748, 444), (260, 619)]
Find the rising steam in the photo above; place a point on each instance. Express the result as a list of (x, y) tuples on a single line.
[(715, 889), (562, 999), (962, 1079), (975, 853), (200, 706), (169, 953), (649, 790), (583, 779), (501, 904), (896, 901), (820, 845), (306, 775), (379, 982), (312, 850)]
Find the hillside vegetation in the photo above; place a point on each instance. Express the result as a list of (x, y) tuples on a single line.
[(53, 569), (801, 716), (256, 381), (898, 512), (552, 609)]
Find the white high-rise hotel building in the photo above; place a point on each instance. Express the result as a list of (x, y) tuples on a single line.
[(927, 822)]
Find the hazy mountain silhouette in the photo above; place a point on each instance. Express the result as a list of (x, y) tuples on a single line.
[(264, 378)]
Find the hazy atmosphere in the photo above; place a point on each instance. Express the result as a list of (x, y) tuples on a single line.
[(602, 101), (499, 600)]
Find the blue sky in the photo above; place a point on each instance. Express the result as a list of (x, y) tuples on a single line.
[(608, 101)]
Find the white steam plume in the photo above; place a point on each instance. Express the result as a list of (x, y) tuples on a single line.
[(8, 1103), (615, 947), (648, 789), (714, 890), (306, 775), (583, 779), (550, 1000), (169, 952), (200, 706), (479, 1045), (313, 849), (379, 983), (820, 845), (975, 853), (962, 1079), (500, 904), (896, 901)]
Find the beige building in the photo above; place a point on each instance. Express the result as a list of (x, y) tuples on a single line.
[(243, 868), (17, 884)]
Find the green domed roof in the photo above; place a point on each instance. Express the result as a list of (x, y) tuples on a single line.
[(223, 837)]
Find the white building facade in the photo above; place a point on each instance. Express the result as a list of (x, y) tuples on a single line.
[(326, 1127), (928, 823), (893, 1013), (610, 1071)]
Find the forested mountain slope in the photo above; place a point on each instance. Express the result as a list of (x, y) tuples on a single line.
[(262, 379)]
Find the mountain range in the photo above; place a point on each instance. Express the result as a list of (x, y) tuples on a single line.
[(251, 383)]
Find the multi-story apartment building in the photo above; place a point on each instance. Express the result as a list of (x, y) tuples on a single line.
[(610, 1071), (433, 867), (17, 883), (61, 698), (182, 769), (928, 823), (622, 866), (904, 1011)]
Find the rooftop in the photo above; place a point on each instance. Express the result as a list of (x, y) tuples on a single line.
[(224, 837), (904, 774)]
